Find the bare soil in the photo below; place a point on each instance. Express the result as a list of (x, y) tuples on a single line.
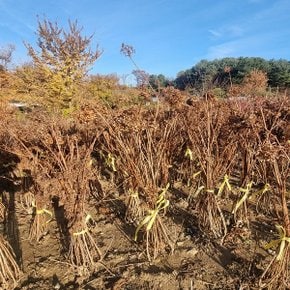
[(198, 261)]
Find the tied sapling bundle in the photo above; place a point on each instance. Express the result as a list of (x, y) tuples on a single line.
[(277, 149), (75, 190), (41, 217), (9, 269), (83, 251), (36, 170), (144, 150), (214, 146), (156, 233), (276, 275), (62, 170)]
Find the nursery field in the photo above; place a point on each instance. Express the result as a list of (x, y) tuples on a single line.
[(165, 195)]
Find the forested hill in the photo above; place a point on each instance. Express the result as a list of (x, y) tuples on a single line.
[(221, 72)]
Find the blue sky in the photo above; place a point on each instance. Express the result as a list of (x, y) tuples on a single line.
[(168, 35)]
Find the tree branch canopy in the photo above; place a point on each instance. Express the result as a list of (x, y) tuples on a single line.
[(64, 57)]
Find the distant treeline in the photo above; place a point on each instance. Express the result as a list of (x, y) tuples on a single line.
[(223, 72)]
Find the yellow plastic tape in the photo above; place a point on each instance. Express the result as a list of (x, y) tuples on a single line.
[(194, 175), (80, 233), (226, 182), (198, 191), (133, 193), (246, 192), (85, 230), (111, 162), (265, 188), (88, 218), (282, 240), (210, 190), (43, 211), (189, 154), (162, 194), (149, 220)]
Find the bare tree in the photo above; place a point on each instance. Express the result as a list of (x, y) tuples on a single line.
[(142, 77), (6, 56)]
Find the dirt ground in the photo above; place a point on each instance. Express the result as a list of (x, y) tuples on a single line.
[(198, 261)]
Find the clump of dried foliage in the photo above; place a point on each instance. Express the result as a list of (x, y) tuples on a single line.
[(78, 135)]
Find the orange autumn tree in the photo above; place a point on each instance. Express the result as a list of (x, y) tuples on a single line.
[(61, 62), (255, 83)]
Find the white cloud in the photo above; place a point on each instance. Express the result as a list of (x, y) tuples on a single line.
[(221, 50), (256, 44), (17, 23), (256, 34), (215, 33), (240, 47), (235, 30), (231, 31)]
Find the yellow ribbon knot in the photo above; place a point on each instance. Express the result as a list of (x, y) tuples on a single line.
[(111, 162), (161, 203), (282, 240), (226, 182), (189, 154), (83, 231), (42, 211), (246, 192), (133, 193), (265, 188)]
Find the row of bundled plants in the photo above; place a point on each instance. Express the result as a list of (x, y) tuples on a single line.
[(240, 154), (233, 157), (230, 158)]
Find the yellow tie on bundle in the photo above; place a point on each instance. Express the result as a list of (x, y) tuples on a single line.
[(226, 182), (87, 219), (111, 162), (265, 188), (244, 197), (161, 203), (282, 240), (189, 154), (43, 211)]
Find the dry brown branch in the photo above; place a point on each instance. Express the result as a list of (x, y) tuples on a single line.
[(9, 270), (83, 251), (41, 218)]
